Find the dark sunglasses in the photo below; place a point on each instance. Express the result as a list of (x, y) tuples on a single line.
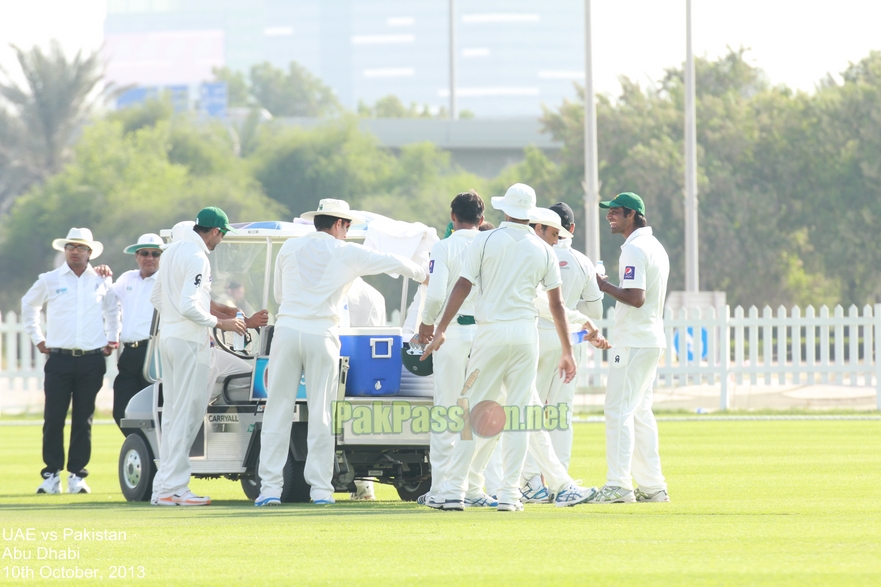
[(73, 247), (153, 254)]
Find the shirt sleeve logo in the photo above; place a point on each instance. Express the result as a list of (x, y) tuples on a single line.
[(198, 281), (431, 266), (563, 263), (630, 272)]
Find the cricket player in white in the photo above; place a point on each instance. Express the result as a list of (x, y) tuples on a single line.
[(631, 429), (447, 256), (506, 264), (584, 303), (182, 295), (311, 275)]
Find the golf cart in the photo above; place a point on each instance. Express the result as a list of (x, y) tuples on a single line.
[(228, 443)]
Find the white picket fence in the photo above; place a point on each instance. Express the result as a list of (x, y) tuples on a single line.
[(784, 348)]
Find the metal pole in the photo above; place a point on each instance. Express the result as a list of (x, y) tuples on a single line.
[(454, 111), (692, 261), (591, 226)]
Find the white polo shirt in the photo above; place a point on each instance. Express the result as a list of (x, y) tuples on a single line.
[(579, 284), (81, 312), (506, 265), (312, 272), (643, 265), (133, 292), (447, 257), (182, 290)]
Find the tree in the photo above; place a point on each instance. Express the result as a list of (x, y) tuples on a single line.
[(293, 93), (237, 91)]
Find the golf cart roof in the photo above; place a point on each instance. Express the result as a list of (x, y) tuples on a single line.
[(277, 230)]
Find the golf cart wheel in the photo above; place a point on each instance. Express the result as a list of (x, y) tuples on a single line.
[(295, 489), (410, 491), (251, 487), (136, 469)]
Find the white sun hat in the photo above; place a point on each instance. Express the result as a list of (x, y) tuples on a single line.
[(547, 217), (145, 241), (518, 202), (331, 207), (80, 236), (178, 231)]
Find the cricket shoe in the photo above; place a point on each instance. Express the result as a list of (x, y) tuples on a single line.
[(186, 498), (612, 494), (51, 484), (269, 500), (423, 499), (510, 507), (431, 501), (76, 484), (481, 501), (326, 501), (453, 505), (154, 499), (574, 495), (535, 492), (656, 497)]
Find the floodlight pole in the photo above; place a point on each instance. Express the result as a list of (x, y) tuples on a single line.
[(454, 111), (591, 177), (692, 261)]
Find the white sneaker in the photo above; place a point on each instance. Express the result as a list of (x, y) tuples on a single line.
[(656, 497), (326, 501), (574, 495), (481, 501), (612, 494), (76, 484), (154, 499), (262, 501), (185, 498), (535, 491), (51, 484), (510, 507)]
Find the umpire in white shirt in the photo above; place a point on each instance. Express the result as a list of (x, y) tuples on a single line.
[(82, 324), (311, 274), (506, 264), (639, 343), (182, 295), (133, 289)]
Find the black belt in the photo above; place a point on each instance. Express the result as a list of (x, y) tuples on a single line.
[(136, 344), (466, 320), (76, 352)]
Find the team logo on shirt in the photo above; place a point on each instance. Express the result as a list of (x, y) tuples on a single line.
[(630, 272), (198, 281), (431, 266), (563, 263)]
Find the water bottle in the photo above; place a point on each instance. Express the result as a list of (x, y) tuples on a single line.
[(578, 337), (238, 340), (601, 269)]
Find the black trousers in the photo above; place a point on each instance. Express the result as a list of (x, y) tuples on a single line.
[(67, 379), (130, 379)]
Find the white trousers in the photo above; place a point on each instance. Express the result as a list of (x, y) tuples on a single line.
[(552, 390), (223, 364), (294, 352), (506, 354), (185, 366), (450, 363), (631, 429)]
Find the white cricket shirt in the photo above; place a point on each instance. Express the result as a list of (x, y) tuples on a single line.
[(182, 290), (643, 265), (506, 265), (312, 272), (578, 275), (447, 257), (81, 312), (133, 293)]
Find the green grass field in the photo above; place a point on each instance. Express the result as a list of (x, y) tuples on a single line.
[(754, 503)]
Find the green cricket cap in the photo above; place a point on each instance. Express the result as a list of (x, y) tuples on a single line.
[(214, 217), (627, 200)]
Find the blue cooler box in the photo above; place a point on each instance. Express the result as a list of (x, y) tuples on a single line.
[(259, 382), (374, 360)]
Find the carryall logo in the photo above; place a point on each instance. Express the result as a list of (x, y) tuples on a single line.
[(224, 423)]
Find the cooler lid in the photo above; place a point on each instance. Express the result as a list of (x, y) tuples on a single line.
[(370, 331)]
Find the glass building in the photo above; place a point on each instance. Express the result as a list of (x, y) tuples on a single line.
[(511, 55)]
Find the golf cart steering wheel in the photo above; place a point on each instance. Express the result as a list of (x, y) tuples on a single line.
[(221, 342)]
